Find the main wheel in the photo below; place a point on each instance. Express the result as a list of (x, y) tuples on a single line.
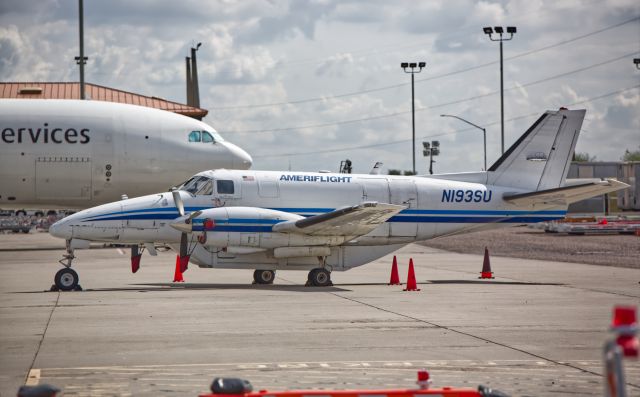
[(320, 278), (67, 279), (264, 276)]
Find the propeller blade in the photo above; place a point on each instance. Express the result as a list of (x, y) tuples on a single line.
[(183, 245), (193, 215), (177, 199)]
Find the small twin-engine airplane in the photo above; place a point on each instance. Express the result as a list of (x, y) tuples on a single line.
[(321, 222)]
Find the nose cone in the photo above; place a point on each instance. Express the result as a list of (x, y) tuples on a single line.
[(61, 229), (241, 159)]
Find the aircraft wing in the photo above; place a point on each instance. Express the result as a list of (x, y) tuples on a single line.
[(356, 220), (566, 194)]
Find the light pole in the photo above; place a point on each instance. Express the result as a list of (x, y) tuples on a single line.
[(410, 67), (431, 149), (636, 61), (81, 60), (484, 134), (511, 30)]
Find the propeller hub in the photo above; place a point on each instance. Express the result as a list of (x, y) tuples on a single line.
[(181, 225)]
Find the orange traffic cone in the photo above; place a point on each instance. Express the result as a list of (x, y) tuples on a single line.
[(177, 277), (411, 278), (395, 277), (486, 266)]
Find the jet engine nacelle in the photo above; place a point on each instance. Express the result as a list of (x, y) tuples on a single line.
[(250, 228)]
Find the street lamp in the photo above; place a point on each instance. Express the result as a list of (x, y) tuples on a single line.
[(636, 62), (431, 149), (413, 68), (484, 134), (511, 30)]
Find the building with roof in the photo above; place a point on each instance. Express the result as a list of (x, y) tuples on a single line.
[(50, 90)]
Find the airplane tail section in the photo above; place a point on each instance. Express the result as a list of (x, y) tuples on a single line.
[(540, 159)]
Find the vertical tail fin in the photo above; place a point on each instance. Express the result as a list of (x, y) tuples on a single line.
[(540, 158)]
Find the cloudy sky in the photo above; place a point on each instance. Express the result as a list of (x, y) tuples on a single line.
[(306, 84)]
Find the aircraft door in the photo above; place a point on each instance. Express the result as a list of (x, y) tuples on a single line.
[(63, 177), (403, 192), (377, 189)]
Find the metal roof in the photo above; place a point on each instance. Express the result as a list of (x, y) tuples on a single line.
[(48, 90)]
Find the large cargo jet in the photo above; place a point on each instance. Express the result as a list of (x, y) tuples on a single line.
[(77, 154)]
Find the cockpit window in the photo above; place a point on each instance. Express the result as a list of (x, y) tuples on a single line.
[(206, 137), (205, 189), (216, 136), (198, 185), (224, 187), (194, 136)]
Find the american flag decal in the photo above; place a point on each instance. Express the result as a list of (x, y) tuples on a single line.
[(247, 178)]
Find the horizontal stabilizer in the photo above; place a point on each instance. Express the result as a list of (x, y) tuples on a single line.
[(565, 195), (356, 220)]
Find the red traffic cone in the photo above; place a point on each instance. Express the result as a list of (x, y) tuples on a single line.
[(395, 277), (411, 278), (486, 266), (177, 277)]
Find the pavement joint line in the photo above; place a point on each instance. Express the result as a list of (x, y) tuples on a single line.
[(33, 377), (44, 333), (565, 364)]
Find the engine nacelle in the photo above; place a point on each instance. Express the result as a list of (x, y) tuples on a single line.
[(251, 227)]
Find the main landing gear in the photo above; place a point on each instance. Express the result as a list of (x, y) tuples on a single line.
[(264, 276), (319, 277), (66, 279)]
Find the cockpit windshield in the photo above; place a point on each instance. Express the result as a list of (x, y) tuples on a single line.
[(198, 186), (204, 137)]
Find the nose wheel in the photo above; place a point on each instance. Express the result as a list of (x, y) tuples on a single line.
[(66, 279)]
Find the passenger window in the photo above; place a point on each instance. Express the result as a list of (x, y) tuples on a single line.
[(224, 187), (207, 138), (194, 136)]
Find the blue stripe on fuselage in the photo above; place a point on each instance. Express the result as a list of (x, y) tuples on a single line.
[(405, 216)]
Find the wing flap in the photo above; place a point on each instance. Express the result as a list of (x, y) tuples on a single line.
[(567, 194), (356, 220)]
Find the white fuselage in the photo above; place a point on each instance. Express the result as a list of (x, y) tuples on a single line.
[(242, 205), (78, 154)]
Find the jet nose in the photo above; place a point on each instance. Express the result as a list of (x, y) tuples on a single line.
[(241, 159), (61, 229)]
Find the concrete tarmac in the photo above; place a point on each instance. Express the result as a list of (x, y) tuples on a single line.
[(537, 329)]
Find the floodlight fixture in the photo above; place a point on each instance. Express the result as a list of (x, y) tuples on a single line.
[(422, 64), (413, 65), (636, 61), (404, 65), (499, 30)]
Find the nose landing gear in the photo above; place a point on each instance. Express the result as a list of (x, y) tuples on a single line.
[(66, 279)]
